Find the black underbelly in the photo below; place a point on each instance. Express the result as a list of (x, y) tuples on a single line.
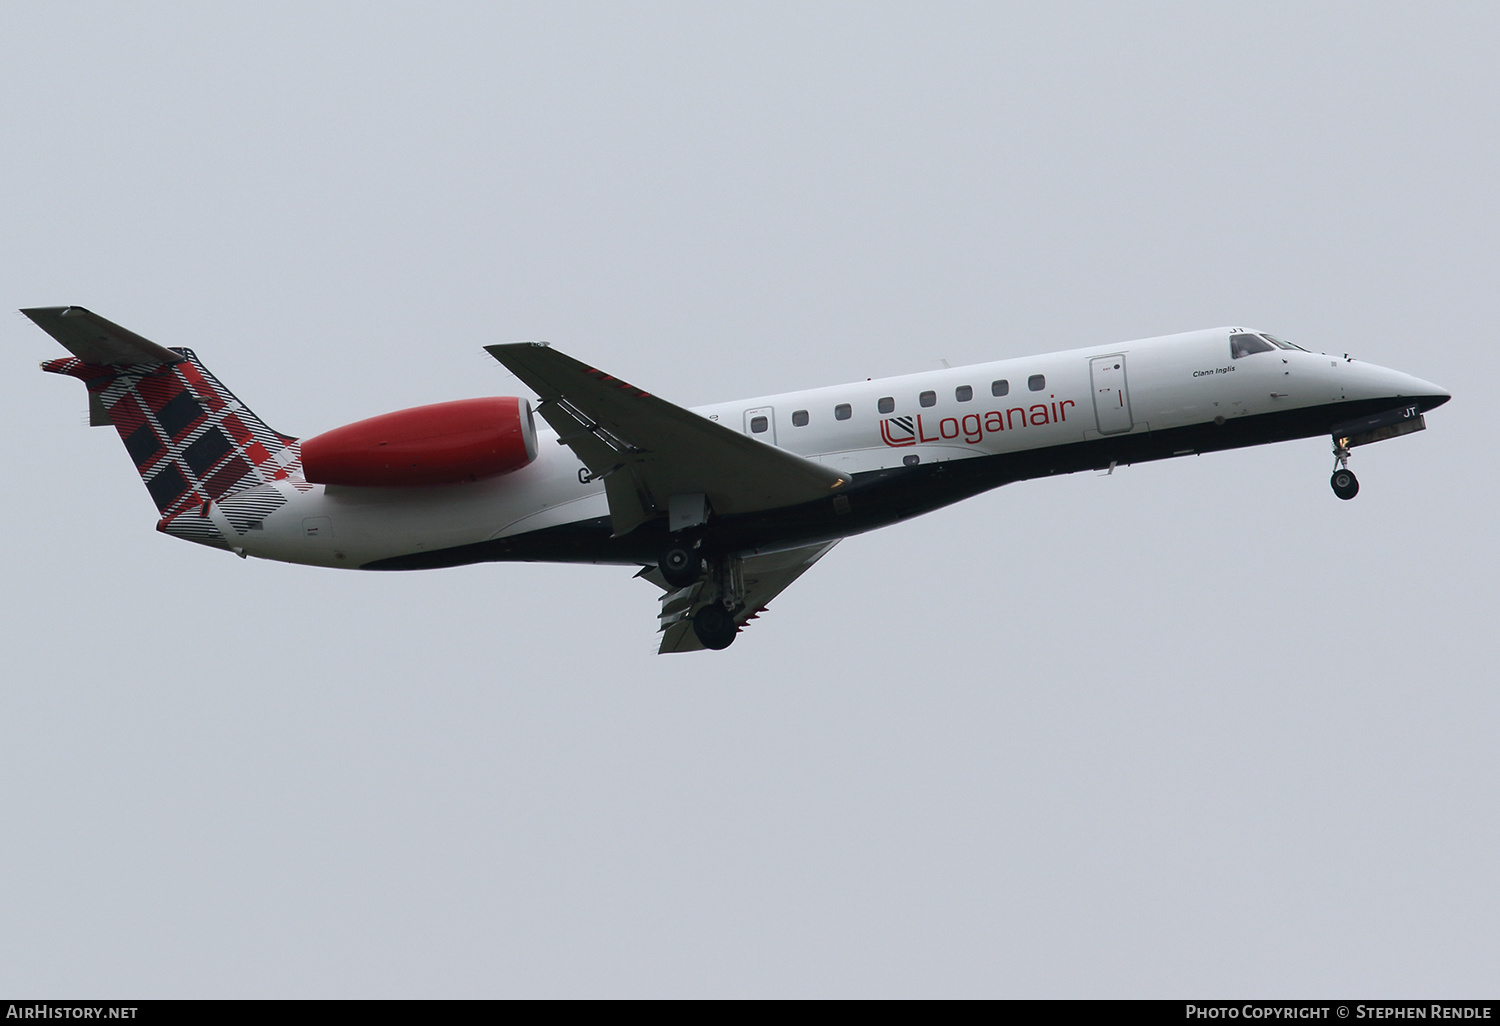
[(877, 498)]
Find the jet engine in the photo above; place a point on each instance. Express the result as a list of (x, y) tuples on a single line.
[(445, 443)]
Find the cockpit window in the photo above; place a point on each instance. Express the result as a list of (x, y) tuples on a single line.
[(1243, 344), (1281, 343)]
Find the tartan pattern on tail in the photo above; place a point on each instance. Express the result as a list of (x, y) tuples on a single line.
[(209, 463)]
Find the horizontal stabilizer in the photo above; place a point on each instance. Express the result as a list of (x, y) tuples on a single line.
[(96, 341)]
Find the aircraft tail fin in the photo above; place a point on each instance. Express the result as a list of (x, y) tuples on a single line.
[(211, 465)]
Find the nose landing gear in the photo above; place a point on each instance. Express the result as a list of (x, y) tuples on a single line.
[(1345, 484)]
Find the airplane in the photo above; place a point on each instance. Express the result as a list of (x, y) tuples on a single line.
[(723, 506)]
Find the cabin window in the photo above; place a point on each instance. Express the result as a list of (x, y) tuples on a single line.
[(759, 424), (842, 411), (1242, 344), (964, 393), (1036, 382), (799, 418), (927, 398), (1001, 387), (886, 404)]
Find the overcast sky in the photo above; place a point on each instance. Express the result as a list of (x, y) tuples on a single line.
[(1196, 728)]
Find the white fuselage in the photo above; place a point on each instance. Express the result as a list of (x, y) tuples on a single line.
[(1056, 399)]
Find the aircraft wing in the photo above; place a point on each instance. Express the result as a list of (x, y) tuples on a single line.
[(648, 450), (766, 576)]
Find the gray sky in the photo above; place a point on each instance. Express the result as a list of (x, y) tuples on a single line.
[(1196, 728)]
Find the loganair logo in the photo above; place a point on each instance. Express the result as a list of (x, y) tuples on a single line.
[(901, 431)]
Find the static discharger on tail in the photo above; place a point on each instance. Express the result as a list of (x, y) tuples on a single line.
[(721, 507)]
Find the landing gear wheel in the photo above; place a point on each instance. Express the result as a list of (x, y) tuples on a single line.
[(714, 626), (1345, 484), (680, 564)]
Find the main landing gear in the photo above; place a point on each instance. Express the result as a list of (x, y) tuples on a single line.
[(722, 595), (1345, 484), (715, 626), (680, 563)]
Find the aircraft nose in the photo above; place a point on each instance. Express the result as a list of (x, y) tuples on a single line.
[(1428, 395), (1371, 381)]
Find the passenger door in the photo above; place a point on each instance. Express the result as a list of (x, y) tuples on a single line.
[(1111, 399)]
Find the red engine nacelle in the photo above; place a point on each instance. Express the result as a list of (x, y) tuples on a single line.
[(426, 445)]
